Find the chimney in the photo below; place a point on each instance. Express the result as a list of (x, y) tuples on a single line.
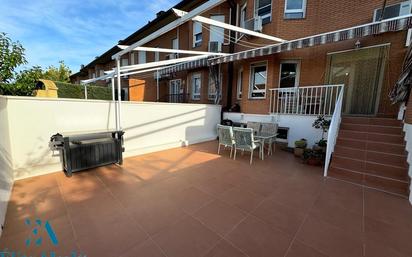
[(81, 66), (159, 14)]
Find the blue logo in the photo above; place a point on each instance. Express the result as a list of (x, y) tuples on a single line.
[(35, 236), (36, 239)]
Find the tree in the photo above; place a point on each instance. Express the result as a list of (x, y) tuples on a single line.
[(11, 56), (25, 82), (61, 73)]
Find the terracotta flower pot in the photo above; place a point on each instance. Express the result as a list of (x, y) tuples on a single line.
[(298, 152), (314, 162)]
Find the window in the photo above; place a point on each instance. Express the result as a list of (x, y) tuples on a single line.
[(239, 84), (175, 43), (133, 58), (156, 56), (289, 74), (101, 73), (392, 11), (142, 57), (196, 86), (217, 34), (295, 9), (93, 75), (212, 88), (263, 8), (242, 16), (125, 62), (258, 80), (197, 34)]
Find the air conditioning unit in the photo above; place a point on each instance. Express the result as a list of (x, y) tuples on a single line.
[(254, 24), (392, 11), (215, 47)]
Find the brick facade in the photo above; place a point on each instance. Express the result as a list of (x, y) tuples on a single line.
[(321, 16)]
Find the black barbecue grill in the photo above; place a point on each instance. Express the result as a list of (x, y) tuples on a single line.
[(88, 150)]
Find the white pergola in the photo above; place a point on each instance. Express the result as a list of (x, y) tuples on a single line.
[(183, 17)]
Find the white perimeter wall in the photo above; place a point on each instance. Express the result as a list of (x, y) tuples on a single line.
[(27, 123), (299, 126), (408, 138), (148, 127), (6, 170)]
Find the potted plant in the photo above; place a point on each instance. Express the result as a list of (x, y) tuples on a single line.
[(312, 157), (323, 124), (300, 146), (322, 145)]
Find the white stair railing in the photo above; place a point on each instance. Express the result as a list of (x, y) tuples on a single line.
[(333, 131), (307, 100)]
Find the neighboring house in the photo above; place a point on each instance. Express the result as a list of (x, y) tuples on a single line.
[(288, 19)]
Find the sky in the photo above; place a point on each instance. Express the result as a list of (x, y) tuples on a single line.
[(75, 31)]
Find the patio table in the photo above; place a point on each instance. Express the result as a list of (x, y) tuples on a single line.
[(262, 136)]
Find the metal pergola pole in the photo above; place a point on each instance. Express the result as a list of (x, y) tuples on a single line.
[(119, 95), (157, 86), (114, 102)]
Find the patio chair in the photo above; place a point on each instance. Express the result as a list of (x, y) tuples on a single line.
[(245, 142), (226, 138), (270, 128), (253, 125)]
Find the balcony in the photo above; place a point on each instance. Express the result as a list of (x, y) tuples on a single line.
[(311, 100)]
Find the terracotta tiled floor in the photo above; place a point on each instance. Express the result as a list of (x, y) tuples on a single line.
[(191, 202)]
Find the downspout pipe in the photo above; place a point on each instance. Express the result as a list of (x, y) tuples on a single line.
[(233, 10)]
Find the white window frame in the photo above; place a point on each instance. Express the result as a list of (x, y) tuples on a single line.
[(175, 45), (142, 57), (217, 31), (243, 8), (156, 56), (196, 96), (256, 11), (297, 78), (390, 5), (124, 60), (239, 88), (303, 11), (251, 80), (197, 43)]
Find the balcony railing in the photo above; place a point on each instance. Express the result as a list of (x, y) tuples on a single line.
[(313, 100)]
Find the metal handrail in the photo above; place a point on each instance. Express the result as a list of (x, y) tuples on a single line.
[(333, 131)]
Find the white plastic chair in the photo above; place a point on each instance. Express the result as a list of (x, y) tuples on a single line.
[(226, 138), (244, 141)]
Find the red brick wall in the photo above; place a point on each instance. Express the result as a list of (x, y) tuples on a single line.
[(313, 69), (321, 16)]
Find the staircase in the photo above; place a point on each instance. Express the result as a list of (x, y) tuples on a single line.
[(371, 152)]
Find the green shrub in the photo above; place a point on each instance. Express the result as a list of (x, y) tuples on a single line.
[(16, 89), (67, 90)]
